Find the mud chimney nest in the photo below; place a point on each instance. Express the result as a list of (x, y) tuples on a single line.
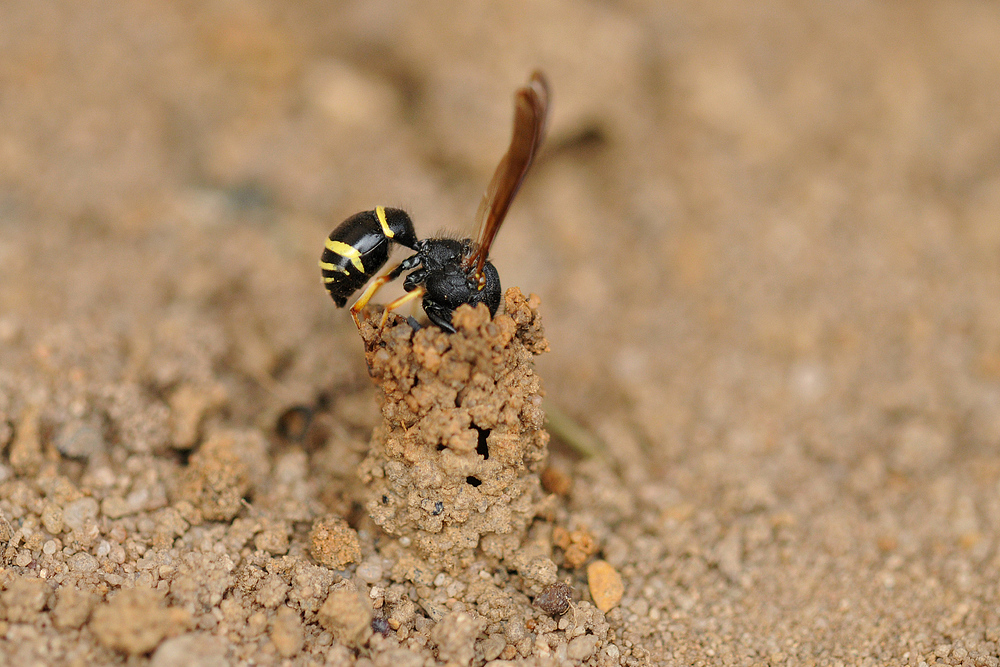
[(454, 465)]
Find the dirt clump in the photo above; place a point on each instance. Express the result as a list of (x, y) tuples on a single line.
[(455, 637), (454, 466), (216, 480), (333, 543), (135, 621), (73, 607), (347, 616), (286, 632), (24, 599), (577, 545), (26, 448)]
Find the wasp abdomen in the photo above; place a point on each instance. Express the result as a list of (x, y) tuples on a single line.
[(360, 246)]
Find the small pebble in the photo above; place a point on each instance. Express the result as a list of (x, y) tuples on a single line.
[(78, 440), (493, 646), (76, 513), (606, 587), (582, 647), (115, 507), (381, 626), (397, 657), (191, 650), (370, 572), (556, 481), (82, 562), (52, 518)]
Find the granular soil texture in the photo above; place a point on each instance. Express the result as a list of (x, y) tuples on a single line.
[(455, 465), (182, 569), (765, 237)]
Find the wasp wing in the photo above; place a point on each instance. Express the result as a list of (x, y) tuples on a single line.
[(531, 107)]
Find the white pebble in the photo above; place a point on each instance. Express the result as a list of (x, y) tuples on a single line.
[(76, 513), (370, 572), (82, 562), (582, 647), (117, 554)]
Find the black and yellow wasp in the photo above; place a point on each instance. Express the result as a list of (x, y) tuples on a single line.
[(444, 272)]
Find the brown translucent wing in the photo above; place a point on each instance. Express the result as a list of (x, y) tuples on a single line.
[(531, 107)]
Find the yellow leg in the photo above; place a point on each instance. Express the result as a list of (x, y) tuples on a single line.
[(370, 292), (406, 298)]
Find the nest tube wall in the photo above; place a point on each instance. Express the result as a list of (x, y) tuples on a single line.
[(453, 468)]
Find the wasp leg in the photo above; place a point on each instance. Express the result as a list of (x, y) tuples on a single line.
[(367, 295), (406, 298), (376, 285)]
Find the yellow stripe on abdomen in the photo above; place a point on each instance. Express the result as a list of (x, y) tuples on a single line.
[(380, 214), (344, 250), (326, 266)]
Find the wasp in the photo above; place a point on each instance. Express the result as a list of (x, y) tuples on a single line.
[(444, 272)]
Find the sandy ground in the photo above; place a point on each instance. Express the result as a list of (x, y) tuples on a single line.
[(766, 241)]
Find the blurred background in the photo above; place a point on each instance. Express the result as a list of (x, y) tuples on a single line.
[(766, 235), (745, 220)]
